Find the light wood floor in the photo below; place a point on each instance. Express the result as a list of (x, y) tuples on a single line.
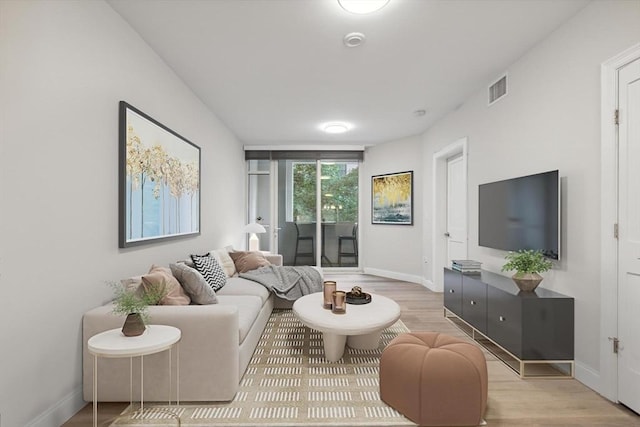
[(512, 401)]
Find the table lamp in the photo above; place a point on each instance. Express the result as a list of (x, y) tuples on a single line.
[(253, 228)]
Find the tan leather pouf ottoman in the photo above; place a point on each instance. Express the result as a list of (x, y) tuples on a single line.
[(434, 379)]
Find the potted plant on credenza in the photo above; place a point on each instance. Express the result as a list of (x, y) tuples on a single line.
[(527, 264)]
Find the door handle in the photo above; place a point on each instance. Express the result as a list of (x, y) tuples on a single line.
[(446, 234), (473, 302), (451, 291), (502, 318)]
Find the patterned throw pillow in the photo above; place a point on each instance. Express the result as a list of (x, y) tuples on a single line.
[(210, 270)]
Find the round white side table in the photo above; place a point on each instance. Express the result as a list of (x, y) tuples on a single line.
[(360, 327), (113, 344)]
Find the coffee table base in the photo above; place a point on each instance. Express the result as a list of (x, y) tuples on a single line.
[(334, 345), (364, 342)]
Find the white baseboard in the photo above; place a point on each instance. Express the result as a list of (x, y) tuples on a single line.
[(587, 376), (60, 412), (393, 275), (430, 285)]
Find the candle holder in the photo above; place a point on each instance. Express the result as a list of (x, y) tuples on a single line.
[(339, 302), (328, 289)]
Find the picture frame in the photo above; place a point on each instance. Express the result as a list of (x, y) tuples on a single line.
[(392, 198), (159, 181)]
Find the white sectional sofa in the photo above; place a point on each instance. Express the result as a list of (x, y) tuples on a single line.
[(217, 343)]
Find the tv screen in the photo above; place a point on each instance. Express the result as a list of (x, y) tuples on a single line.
[(521, 213)]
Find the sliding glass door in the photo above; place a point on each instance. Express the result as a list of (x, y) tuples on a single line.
[(297, 211), (339, 213), (314, 220)]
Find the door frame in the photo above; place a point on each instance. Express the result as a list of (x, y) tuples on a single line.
[(273, 201), (608, 375), (439, 208), (251, 216)]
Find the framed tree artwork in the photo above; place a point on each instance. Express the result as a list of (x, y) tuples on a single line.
[(392, 198), (159, 181)]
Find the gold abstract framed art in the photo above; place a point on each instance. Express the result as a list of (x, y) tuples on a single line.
[(392, 198)]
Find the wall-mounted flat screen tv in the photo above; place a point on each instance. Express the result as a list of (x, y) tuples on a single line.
[(521, 213)]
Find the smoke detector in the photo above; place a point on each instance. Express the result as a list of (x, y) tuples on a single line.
[(353, 39)]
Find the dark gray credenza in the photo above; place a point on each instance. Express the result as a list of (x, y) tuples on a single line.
[(532, 332)]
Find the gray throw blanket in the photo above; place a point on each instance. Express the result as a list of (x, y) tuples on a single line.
[(287, 282)]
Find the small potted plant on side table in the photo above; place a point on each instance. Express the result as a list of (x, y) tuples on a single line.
[(134, 304), (527, 264)]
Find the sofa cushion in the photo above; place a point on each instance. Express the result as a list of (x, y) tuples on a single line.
[(248, 309), (160, 280), (247, 261), (210, 270), (194, 283), (240, 286), (225, 261)]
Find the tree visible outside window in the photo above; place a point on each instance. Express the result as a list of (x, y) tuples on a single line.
[(304, 192), (339, 187)]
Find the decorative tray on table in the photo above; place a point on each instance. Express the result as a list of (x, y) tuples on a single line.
[(356, 296)]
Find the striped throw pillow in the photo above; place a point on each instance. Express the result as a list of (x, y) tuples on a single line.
[(210, 270)]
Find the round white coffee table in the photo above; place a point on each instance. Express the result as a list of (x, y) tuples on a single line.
[(113, 344), (360, 327)]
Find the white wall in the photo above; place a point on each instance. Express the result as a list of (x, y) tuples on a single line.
[(64, 65), (550, 119), (392, 250)]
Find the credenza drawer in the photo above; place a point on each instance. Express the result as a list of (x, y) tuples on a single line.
[(474, 302), (453, 291), (504, 320)]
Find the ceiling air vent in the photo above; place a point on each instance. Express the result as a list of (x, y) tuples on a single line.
[(498, 89)]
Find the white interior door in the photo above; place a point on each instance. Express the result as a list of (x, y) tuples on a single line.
[(456, 210), (629, 236)]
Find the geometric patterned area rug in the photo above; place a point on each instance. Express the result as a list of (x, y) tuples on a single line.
[(289, 383)]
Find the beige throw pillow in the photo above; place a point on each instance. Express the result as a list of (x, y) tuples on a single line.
[(160, 278), (132, 283), (225, 261), (247, 261)]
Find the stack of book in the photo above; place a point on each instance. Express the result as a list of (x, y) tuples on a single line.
[(466, 266)]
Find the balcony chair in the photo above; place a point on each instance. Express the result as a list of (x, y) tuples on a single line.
[(349, 250), (303, 238)]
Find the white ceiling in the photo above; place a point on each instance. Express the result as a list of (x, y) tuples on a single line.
[(274, 70)]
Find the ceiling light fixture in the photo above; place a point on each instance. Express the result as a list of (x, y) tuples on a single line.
[(353, 39), (362, 7), (419, 113), (336, 127)]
